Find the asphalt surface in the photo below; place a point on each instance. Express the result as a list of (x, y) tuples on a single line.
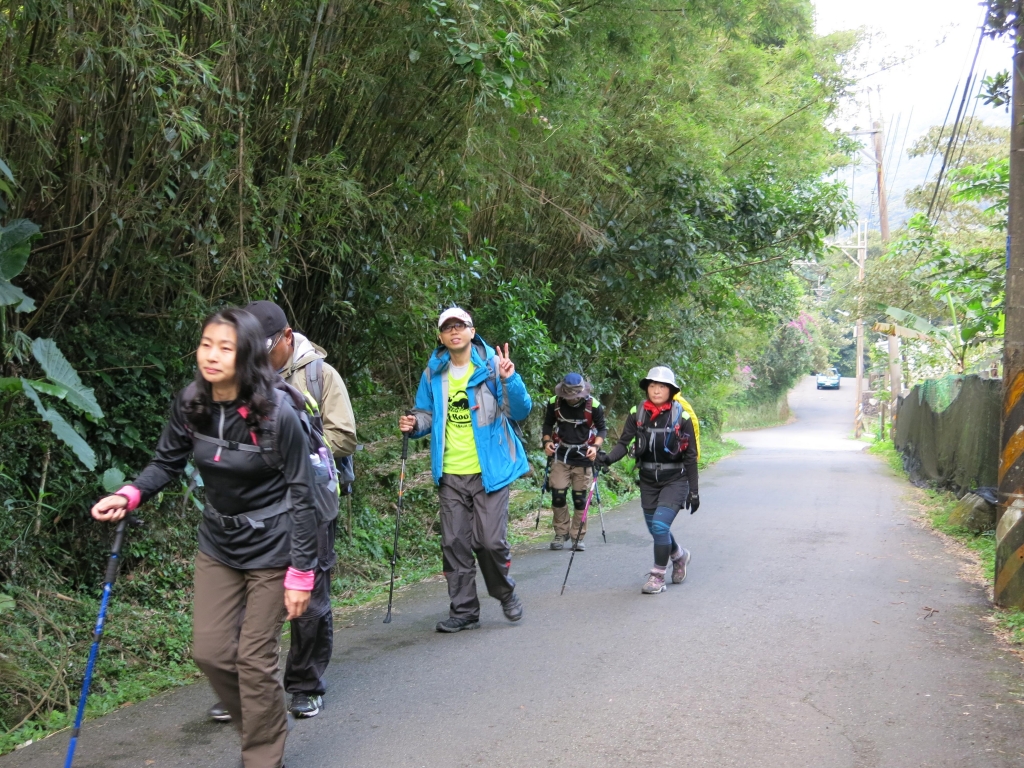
[(819, 626)]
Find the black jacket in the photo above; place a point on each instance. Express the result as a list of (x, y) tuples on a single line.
[(241, 482), (574, 434), (655, 453)]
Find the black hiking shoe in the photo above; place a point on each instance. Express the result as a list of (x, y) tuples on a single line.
[(305, 706), (451, 624), (219, 713), (513, 608)]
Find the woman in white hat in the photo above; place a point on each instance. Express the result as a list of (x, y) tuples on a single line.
[(666, 454)]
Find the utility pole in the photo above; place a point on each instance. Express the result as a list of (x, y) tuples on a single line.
[(862, 257), (895, 373), (1009, 586), (883, 201)]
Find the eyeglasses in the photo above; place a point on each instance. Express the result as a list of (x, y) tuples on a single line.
[(456, 326)]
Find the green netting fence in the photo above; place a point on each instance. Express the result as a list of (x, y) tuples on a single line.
[(948, 432)]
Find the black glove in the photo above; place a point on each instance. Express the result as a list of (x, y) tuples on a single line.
[(692, 502), (602, 459)]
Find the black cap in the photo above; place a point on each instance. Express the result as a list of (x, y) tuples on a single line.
[(271, 317)]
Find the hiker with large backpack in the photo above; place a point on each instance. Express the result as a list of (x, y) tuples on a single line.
[(269, 482), (572, 434), (301, 364), (468, 401), (665, 448)]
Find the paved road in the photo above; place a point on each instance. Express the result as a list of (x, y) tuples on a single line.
[(799, 639)]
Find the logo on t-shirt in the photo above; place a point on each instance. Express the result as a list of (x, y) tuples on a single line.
[(458, 408)]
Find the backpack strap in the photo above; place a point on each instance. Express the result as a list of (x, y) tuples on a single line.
[(588, 413), (231, 445), (315, 380)]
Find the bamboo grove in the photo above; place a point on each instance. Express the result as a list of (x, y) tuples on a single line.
[(606, 184)]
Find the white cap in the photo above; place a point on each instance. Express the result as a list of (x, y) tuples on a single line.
[(458, 313)]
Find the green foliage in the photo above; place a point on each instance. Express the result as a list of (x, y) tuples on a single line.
[(15, 245)]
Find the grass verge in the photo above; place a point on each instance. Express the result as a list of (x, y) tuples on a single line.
[(759, 416), (938, 506)]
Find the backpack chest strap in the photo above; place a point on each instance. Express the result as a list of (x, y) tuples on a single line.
[(231, 445)]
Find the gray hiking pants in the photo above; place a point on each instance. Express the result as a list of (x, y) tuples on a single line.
[(474, 522)]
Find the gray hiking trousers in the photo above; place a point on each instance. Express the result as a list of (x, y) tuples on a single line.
[(474, 522)]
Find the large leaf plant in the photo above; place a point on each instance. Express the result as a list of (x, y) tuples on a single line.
[(60, 380)]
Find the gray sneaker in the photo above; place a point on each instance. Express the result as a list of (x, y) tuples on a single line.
[(556, 543), (655, 583), (580, 546), (679, 566)]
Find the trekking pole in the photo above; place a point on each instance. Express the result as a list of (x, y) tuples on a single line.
[(543, 490), (583, 522), (113, 563), (398, 522), (597, 492)]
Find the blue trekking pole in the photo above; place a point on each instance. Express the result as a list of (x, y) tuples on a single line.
[(113, 563)]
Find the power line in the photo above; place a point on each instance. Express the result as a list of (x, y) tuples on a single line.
[(963, 144), (890, 140), (903, 147), (958, 124)]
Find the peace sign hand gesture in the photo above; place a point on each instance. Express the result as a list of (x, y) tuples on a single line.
[(505, 366)]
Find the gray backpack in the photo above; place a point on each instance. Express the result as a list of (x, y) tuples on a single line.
[(315, 387)]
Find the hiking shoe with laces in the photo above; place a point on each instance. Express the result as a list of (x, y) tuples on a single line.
[(557, 542), (679, 566), (451, 624), (579, 546), (219, 713), (305, 706), (655, 583), (513, 608)]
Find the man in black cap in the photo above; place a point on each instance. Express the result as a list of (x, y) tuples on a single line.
[(302, 365)]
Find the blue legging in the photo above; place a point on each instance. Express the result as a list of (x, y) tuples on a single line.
[(659, 523)]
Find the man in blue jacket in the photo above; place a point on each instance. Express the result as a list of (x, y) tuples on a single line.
[(468, 397)]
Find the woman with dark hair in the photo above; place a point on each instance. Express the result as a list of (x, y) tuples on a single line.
[(257, 539), (665, 450)]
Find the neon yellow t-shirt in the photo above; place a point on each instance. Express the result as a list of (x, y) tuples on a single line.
[(460, 457)]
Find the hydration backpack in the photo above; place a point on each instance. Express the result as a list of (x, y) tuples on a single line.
[(671, 437), (315, 387), (588, 415), (326, 485)]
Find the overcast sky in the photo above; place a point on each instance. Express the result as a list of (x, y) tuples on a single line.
[(940, 38)]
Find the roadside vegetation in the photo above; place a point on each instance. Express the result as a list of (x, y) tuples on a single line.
[(937, 507)]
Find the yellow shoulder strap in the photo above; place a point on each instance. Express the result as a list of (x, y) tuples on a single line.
[(693, 416)]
